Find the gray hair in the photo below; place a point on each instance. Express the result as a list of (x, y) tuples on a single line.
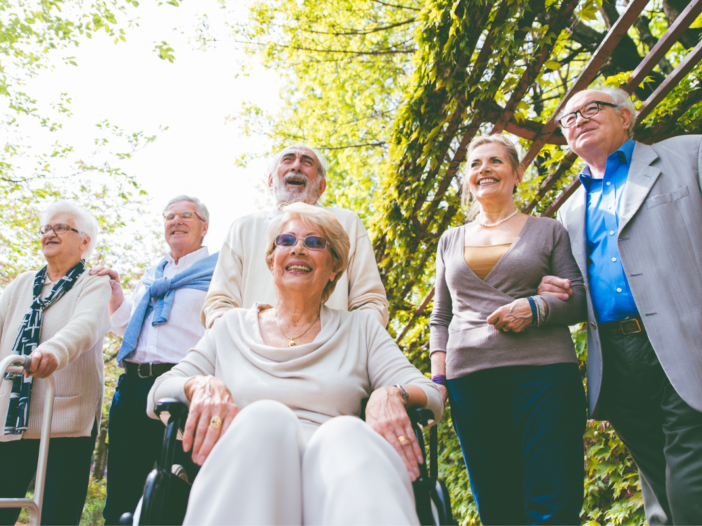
[(85, 222), (201, 208), (621, 99), (323, 165), (318, 218)]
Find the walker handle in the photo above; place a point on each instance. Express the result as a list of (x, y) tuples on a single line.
[(27, 363)]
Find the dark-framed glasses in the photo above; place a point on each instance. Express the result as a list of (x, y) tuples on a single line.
[(187, 215), (311, 242), (59, 229), (586, 112)]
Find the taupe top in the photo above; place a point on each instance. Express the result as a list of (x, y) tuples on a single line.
[(463, 301)]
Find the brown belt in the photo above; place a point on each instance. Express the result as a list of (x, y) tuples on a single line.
[(147, 370), (625, 327)]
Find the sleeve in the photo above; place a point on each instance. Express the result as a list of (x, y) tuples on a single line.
[(366, 291), (200, 361), (6, 303), (225, 289), (442, 314), (120, 318), (574, 309), (89, 323), (387, 365), (699, 167)]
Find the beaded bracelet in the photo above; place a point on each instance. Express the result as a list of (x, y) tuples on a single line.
[(534, 311), (439, 379)]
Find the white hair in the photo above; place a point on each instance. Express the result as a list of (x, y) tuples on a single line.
[(321, 170), (621, 99), (201, 208), (85, 222)]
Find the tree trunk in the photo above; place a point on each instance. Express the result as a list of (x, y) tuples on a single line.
[(101, 453)]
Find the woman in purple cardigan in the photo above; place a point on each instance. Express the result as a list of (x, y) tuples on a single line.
[(504, 355)]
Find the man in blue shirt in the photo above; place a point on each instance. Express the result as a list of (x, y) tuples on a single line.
[(636, 232)]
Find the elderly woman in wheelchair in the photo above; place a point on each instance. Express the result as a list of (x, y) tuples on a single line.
[(275, 391)]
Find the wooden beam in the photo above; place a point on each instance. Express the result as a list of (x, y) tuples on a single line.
[(415, 314)]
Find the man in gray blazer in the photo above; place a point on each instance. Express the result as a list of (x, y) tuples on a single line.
[(636, 233)]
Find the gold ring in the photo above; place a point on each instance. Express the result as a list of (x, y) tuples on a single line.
[(216, 422), (403, 438)]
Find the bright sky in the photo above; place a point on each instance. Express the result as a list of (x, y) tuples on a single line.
[(131, 87)]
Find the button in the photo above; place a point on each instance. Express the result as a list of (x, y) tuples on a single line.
[(592, 324), (609, 207), (614, 259), (608, 183), (611, 232), (619, 290)]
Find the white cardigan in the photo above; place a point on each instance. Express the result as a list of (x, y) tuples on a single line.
[(73, 329), (351, 357)]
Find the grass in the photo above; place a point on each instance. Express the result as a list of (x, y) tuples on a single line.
[(92, 511)]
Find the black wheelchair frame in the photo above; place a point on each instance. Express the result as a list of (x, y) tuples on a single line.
[(165, 497)]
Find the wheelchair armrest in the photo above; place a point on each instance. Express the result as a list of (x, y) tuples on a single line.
[(170, 409), (421, 416)]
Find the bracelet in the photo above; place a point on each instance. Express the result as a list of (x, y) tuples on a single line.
[(439, 379), (405, 394), (534, 311), (541, 306)]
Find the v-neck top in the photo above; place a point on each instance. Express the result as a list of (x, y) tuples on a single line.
[(481, 259), (463, 301)]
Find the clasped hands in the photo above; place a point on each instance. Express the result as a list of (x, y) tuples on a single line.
[(212, 411)]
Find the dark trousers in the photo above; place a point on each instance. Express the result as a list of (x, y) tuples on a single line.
[(67, 476), (663, 433), (521, 432), (135, 443)]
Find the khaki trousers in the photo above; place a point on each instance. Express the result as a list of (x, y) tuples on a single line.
[(265, 471)]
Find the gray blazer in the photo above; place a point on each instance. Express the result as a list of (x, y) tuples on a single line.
[(660, 242)]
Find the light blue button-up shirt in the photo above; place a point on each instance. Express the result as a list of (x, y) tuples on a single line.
[(609, 288)]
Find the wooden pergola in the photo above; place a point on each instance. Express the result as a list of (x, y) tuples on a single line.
[(502, 118)]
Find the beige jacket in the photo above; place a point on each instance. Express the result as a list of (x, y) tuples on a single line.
[(73, 329), (242, 278)]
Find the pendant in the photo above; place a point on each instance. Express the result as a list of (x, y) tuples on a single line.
[(292, 343)]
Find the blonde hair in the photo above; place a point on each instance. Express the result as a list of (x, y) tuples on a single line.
[(328, 226), (471, 206)]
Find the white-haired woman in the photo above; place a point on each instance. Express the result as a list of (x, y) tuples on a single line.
[(57, 315), (505, 354), (274, 392)]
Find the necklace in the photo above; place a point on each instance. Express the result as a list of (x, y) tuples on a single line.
[(292, 342), (493, 225)]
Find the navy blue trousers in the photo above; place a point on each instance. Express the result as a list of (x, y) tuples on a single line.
[(521, 432), (67, 475), (135, 442)]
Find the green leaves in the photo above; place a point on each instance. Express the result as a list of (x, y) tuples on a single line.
[(165, 52)]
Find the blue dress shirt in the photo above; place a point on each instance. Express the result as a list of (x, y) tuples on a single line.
[(609, 288)]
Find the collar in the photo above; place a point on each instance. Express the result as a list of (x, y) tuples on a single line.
[(188, 259), (623, 153)]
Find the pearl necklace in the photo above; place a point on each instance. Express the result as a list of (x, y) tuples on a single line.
[(493, 225)]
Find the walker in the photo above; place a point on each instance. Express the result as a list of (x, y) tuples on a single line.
[(17, 364)]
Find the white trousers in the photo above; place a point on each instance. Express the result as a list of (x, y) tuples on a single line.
[(263, 471)]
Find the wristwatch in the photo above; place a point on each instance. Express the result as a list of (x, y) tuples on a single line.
[(403, 391)]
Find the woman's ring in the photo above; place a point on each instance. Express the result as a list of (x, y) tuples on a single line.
[(403, 438), (505, 329), (216, 422)]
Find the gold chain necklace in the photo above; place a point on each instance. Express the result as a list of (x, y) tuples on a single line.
[(292, 342)]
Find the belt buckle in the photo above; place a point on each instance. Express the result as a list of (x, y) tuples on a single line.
[(151, 372), (630, 327)]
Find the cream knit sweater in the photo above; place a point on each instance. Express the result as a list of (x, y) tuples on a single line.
[(351, 357), (242, 277), (73, 329)]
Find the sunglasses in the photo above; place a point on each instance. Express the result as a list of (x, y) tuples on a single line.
[(311, 242), (59, 230), (185, 216)]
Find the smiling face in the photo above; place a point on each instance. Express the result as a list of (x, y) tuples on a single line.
[(300, 269), (296, 178), (600, 135), (66, 249), (490, 175), (182, 236)]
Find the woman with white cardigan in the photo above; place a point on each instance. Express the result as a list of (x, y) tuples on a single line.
[(58, 316), (275, 391)]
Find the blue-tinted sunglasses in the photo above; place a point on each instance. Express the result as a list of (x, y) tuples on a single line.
[(311, 242)]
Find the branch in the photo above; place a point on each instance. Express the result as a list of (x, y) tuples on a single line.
[(349, 146), (394, 5), (357, 32)]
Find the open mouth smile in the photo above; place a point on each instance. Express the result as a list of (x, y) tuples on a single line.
[(487, 181), (298, 268), (299, 181)]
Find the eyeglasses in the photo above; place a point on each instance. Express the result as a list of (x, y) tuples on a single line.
[(59, 230), (185, 216), (311, 242), (586, 112)]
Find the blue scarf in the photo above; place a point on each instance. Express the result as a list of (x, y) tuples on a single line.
[(198, 276), (28, 340)]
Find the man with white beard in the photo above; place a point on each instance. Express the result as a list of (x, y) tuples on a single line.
[(241, 278)]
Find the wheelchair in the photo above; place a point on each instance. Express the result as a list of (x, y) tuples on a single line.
[(166, 492)]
